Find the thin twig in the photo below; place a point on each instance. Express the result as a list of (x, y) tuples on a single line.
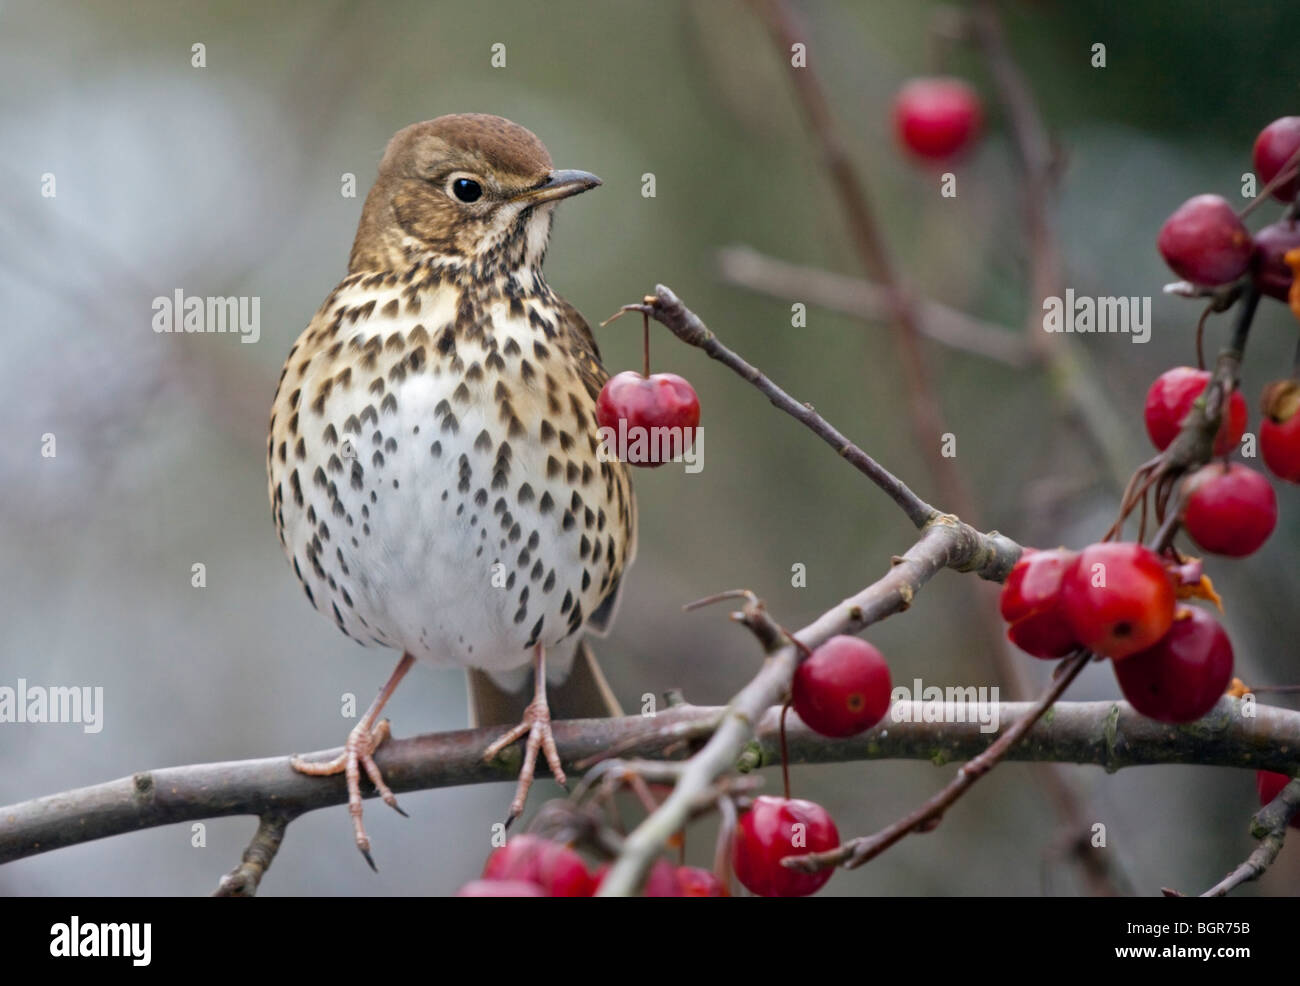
[(855, 852), (1269, 826), (245, 878), (667, 309), (746, 268)]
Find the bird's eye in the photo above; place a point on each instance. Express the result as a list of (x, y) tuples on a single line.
[(466, 189)]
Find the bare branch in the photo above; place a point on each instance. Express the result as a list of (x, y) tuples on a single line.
[(270, 786), (244, 879), (747, 268), (1107, 734)]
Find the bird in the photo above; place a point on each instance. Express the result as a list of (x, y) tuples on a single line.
[(434, 463)]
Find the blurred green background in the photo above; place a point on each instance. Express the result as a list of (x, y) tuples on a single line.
[(225, 180)]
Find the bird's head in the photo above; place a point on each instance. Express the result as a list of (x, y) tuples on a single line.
[(472, 191)]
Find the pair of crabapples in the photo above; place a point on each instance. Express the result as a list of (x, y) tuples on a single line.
[(1118, 599), (841, 689), (1228, 508), (1170, 400)]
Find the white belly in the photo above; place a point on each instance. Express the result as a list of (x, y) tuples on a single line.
[(438, 532)]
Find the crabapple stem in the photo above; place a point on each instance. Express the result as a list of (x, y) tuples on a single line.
[(1241, 329), (785, 752)]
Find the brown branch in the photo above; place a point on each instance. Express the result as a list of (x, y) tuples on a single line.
[(746, 268), (1106, 734), (245, 878), (270, 786), (1269, 826)]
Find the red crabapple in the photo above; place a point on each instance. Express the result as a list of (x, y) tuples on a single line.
[(1272, 274), (1279, 432), (1274, 147), (1031, 603), (1170, 399), (773, 829), (1229, 509), (842, 688), (1204, 242), (556, 868), (1184, 674), (937, 118), (1118, 598), (645, 404)]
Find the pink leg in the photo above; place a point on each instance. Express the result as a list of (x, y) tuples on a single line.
[(358, 753), (537, 725)]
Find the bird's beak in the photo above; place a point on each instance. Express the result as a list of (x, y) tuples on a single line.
[(559, 185)]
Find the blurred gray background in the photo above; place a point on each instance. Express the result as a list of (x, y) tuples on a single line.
[(225, 180)]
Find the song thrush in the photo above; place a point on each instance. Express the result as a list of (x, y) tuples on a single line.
[(433, 466)]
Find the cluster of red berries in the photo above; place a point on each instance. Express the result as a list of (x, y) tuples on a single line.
[(1227, 507), (530, 866), (1205, 241), (842, 688), (1119, 599)]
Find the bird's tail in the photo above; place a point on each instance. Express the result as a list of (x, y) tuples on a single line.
[(585, 694)]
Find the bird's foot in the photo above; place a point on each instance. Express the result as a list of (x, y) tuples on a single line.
[(537, 725), (358, 753)]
